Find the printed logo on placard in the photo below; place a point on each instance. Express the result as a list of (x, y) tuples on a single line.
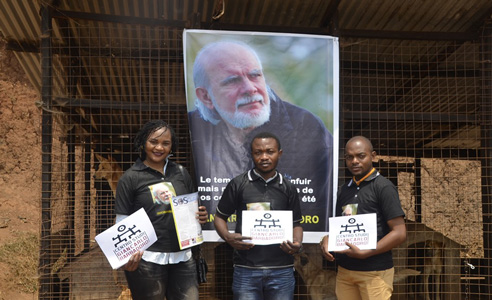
[(352, 232), (129, 241), (267, 228)]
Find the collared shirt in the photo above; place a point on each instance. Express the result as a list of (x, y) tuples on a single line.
[(251, 190), (375, 194), (269, 179), (133, 192)]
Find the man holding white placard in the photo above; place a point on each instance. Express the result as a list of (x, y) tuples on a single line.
[(367, 274), (261, 271)]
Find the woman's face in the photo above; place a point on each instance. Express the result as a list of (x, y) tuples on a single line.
[(157, 148)]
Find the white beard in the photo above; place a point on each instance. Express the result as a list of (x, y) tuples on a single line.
[(245, 120)]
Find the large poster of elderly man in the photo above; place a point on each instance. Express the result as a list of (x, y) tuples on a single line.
[(241, 83)]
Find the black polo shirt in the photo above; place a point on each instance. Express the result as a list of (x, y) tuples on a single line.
[(376, 194), (133, 193), (249, 188)]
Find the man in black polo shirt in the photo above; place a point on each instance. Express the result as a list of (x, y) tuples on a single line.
[(262, 271), (367, 274)]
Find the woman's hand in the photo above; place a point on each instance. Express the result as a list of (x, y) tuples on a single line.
[(202, 214), (132, 264)]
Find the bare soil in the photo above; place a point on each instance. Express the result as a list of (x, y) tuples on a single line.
[(20, 174)]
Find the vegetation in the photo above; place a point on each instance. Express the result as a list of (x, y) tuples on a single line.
[(21, 257)]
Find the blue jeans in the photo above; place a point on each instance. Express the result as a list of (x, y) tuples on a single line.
[(154, 282), (263, 284)]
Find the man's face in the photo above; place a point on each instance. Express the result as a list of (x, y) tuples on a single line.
[(358, 158), (237, 88), (165, 195), (347, 211), (265, 155)]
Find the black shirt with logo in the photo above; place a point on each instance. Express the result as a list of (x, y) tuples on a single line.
[(134, 192), (247, 189), (376, 194)]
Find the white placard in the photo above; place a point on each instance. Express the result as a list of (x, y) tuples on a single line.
[(267, 227), (120, 241), (188, 228), (359, 230)]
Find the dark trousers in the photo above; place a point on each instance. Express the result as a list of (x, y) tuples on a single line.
[(154, 282)]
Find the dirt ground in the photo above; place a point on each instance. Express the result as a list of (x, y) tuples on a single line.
[(20, 178)]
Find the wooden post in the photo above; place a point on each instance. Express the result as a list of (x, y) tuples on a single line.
[(45, 277)]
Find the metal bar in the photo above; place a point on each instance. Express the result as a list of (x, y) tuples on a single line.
[(411, 117), (410, 35), (87, 196), (486, 147), (66, 14), (70, 239), (418, 188), (45, 277), (107, 104)]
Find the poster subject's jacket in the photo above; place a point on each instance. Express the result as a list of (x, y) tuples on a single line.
[(306, 160)]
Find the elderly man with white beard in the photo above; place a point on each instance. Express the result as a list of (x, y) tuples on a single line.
[(233, 104)]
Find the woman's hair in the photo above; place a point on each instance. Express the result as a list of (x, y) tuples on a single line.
[(146, 130)]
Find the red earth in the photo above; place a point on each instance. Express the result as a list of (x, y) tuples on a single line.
[(20, 168)]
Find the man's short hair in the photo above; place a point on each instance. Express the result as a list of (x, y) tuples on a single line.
[(363, 139), (266, 135)]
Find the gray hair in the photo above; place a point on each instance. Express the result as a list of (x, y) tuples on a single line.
[(200, 76)]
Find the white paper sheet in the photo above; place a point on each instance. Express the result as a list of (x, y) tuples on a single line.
[(120, 241), (360, 230), (267, 227)]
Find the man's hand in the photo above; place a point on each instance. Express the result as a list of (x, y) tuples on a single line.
[(291, 247), (324, 249), (236, 240), (132, 264), (355, 252), (395, 237), (202, 214)]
